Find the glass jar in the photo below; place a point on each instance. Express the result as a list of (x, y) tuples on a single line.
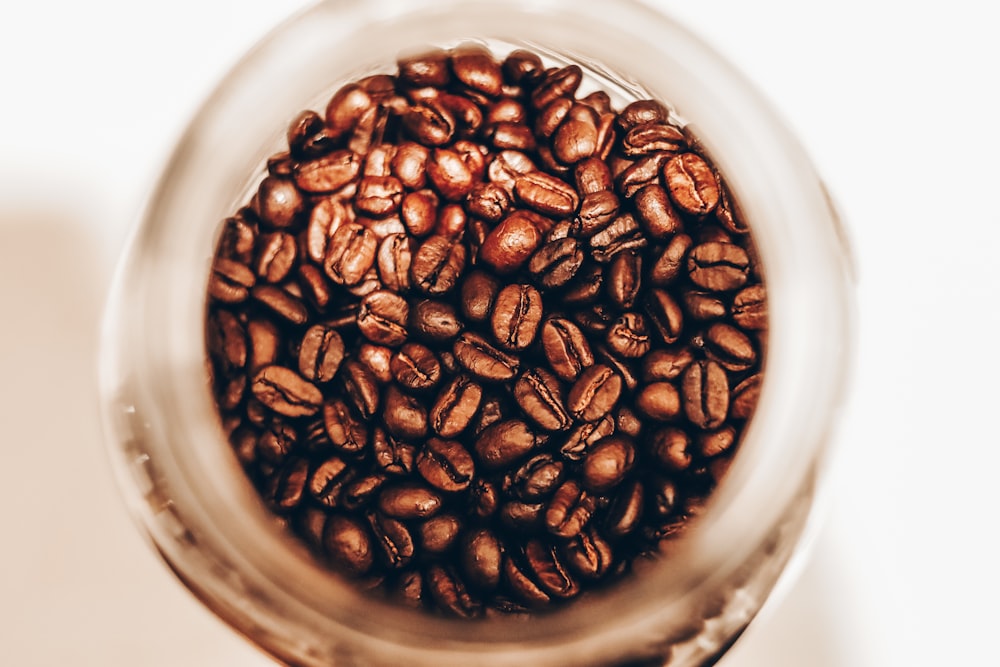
[(202, 515)]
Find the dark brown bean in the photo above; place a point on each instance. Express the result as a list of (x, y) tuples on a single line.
[(730, 347), (546, 194), (429, 68), (446, 465), (536, 479), (434, 321), (284, 391), (230, 281), (482, 559), (503, 443), (545, 563), (653, 137), (328, 173), (750, 308), (415, 367), (671, 448), (744, 397), (670, 264), (409, 501), (666, 316), (383, 317), (595, 393), (476, 355), (439, 533), (392, 456), (328, 479), (623, 233), (478, 294), (556, 263), (641, 112), (455, 406), (582, 437), (360, 387), (624, 278), (405, 416), (691, 183), (625, 511), (718, 267), (629, 336), (392, 541), (516, 316), (565, 348), (570, 510), (659, 401), (348, 544), (705, 394), (320, 353), (561, 82), (350, 254), (437, 265), (279, 202), (344, 431), (589, 555), (511, 243), (607, 463), (449, 174), (540, 396)]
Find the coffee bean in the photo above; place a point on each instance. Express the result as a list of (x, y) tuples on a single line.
[(409, 501), (415, 367), (642, 172), (546, 194), (439, 533), (378, 359), (536, 479), (503, 443), (589, 555), (478, 294), (455, 406), (280, 302), (348, 544), (383, 317), (730, 347), (671, 448), (477, 356), (445, 465), (556, 263), (586, 287), (345, 431), (569, 511), (642, 112), (744, 397), (704, 305), (541, 398), (392, 456), (705, 394), (583, 436), (665, 314), (561, 82), (475, 67), (288, 485), (750, 308), (546, 565), (716, 442), (621, 234), (511, 243), (279, 202), (405, 416), (320, 354), (437, 265), (449, 174), (449, 591), (575, 140), (595, 393), (276, 257), (230, 281), (350, 254), (346, 106), (359, 492), (658, 216), (488, 201), (392, 541), (624, 278), (718, 267), (285, 392), (425, 69), (328, 479), (227, 340), (607, 463), (328, 173), (429, 123), (628, 336), (516, 316), (659, 401), (482, 559), (625, 511), (566, 348)]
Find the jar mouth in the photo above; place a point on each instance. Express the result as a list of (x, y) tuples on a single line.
[(332, 42)]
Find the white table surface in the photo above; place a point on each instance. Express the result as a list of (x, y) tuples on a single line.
[(896, 101)]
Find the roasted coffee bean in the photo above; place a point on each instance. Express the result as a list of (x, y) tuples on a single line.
[(455, 406), (570, 510), (704, 305), (350, 254), (392, 456), (511, 243), (395, 255), (622, 366), (503, 443), (730, 347), (425, 69), (536, 479), (705, 394), (392, 541), (658, 216), (378, 196), (405, 416), (659, 401), (595, 393), (522, 517), (691, 183), (276, 257), (589, 555), (664, 313), (344, 431), (409, 501), (439, 533), (642, 112), (449, 174), (360, 491), (547, 567), (346, 107), (516, 136), (480, 358), (415, 367), (347, 543), (279, 203), (276, 441), (628, 422), (556, 263), (483, 498), (507, 166), (516, 316), (566, 348), (625, 511), (607, 463), (592, 175), (280, 302), (429, 123), (716, 442), (328, 479), (671, 262), (546, 194), (586, 287), (445, 465), (561, 82), (419, 211), (378, 359), (540, 396), (227, 340), (624, 278), (284, 391), (575, 140), (475, 67), (437, 265), (451, 222), (622, 233), (488, 201), (434, 321), (718, 267), (583, 436), (230, 281), (521, 66), (383, 317), (523, 587), (320, 353), (744, 397), (671, 448), (662, 496), (478, 294), (640, 173), (288, 485), (653, 137), (629, 336), (482, 559), (450, 593), (552, 116), (328, 173), (750, 308), (237, 240)]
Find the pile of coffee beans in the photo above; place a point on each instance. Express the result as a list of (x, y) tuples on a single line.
[(481, 341)]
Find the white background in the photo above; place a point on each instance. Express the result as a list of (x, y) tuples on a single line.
[(896, 101)]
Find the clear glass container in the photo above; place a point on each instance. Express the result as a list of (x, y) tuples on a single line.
[(200, 512)]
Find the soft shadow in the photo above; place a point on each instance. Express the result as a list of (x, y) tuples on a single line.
[(78, 584)]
